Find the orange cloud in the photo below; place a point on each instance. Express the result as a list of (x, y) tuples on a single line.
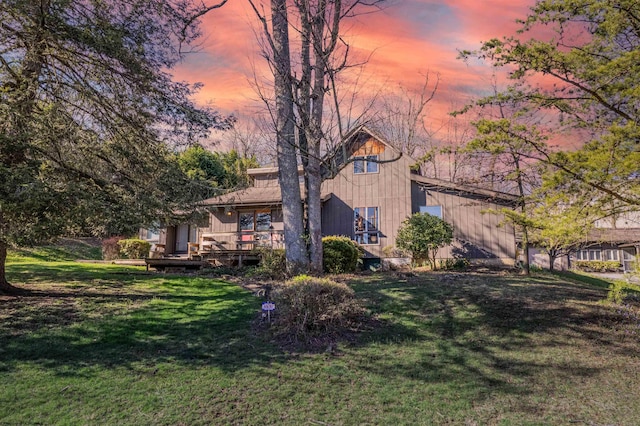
[(403, 40)]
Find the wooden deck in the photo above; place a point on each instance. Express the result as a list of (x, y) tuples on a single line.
[(198, 261), (229, 257), (174, 264)]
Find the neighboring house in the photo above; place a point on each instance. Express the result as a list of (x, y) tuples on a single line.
[(622, 245), (617, 240), (610, 240), (368, 190)]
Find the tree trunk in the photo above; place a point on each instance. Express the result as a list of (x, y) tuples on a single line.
[(552, 260), (314, 214), (523, 208), (5, 287), (321, 54), (292, 212), (525, 246)]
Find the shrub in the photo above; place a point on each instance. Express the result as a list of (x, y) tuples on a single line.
[(616, 293), (393, 251), (597, 265), (458, 263), (340, 254), (422, 235), (309, 306), (273, 263), (110, 248), (134, 248)]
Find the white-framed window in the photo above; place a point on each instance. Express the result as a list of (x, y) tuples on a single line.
[(365, 164), (365, 225), (594, 254), (432, 210), (610, 254)]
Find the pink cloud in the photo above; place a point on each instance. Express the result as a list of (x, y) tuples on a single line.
[(407, 38)]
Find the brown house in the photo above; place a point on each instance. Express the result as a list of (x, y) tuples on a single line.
[(611, 244), (368, 190)]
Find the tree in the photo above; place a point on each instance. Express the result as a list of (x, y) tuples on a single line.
[(285, 126), (423, 235), (586, 71), (555, 223), (215, 172), (403, 115), (558, 233), (202, 165), (501, 131), (87, 108), (302, 78)]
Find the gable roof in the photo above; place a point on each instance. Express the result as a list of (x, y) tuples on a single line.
[(468, 191), (335, 160), (252, 196)]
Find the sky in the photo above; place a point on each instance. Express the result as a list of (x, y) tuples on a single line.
[(405, 40)]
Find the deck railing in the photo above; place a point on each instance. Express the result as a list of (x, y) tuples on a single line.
[(243, 240)]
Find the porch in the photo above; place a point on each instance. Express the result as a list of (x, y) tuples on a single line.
[(216, 249)]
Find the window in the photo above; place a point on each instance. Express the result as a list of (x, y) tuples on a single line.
[(151, 234), (597, 254), (366, 164), (611, 254), (257, 220), (365, 225), (432, 210)]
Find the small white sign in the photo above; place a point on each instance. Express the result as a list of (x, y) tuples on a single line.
[(268, 306)]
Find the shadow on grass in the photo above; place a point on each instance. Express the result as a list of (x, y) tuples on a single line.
[(131, 321), (484, 333), (587, 279)]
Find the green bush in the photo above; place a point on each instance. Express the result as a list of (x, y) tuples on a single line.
[(273, 263), (308, 306), (134, 248), (422, 235), (616, 293), (340, 254), (597, 265), (110, 248)]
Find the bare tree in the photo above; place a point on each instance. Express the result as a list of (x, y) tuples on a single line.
[(321, 54), (285, 126), (403, 115)]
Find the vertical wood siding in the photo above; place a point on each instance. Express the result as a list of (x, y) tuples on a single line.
[(389, 189), (478, 234)]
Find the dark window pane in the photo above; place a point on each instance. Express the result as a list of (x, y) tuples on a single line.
[(358, 165), (263, 221), (246, 221)]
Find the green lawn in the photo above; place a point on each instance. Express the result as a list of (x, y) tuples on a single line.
[(106, 344)]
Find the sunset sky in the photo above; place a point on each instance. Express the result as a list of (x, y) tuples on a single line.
[(408, 38)]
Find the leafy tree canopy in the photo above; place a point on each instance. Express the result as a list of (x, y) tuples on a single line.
[(215, 170), (87, 108), (590, 69)]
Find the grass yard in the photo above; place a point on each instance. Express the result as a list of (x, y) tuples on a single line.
[(106, 344)]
